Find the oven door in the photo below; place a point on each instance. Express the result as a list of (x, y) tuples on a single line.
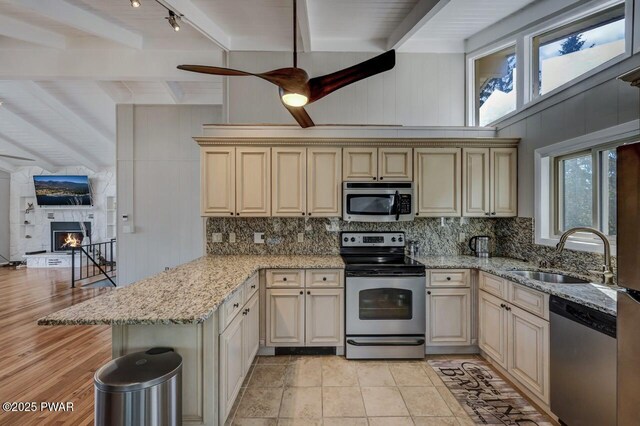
[(385, 306)]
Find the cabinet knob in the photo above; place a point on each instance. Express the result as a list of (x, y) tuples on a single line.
[(308, 292), (248, 310), (502, 305), (487, 214), (380, 178), (244, 312), (231, 213), (508, 308), (428, 292), (493, 213), (237, 214), (374, 178), (309, 214), (302, 213), (324, 278), (301, 292), (284, 279), (448, 278)]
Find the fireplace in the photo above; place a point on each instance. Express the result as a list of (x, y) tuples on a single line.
[(66, 235)]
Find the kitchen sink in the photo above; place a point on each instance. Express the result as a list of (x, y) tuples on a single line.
[(548, 277)]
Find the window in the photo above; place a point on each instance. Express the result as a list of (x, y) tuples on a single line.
[(565, 53), (585, 190), (495, 85)]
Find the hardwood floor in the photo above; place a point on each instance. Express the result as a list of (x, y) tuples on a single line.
[(47, 364)]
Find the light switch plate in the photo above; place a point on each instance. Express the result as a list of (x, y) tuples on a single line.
[(232, 237), (301, 237), (258, 237), (216, 237), (462, 237)]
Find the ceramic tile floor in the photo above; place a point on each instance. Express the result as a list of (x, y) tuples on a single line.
[(329, 390)]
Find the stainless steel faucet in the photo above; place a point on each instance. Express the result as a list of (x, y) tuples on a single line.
[(607, 271)]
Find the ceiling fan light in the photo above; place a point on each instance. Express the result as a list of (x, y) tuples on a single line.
[(294, 99), (135, 3)]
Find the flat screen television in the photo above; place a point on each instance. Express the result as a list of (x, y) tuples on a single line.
[(55, 190)]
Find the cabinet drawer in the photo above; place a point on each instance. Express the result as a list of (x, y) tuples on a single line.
[(323, 278), (449, 278), (529, 299), (285, 278), (494, 285), (231, 307), (251, 287)]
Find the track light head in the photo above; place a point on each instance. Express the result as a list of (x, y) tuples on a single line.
[(135, 3), (174, 21)]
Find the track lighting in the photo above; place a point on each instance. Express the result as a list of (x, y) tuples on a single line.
[(173, 21), (135, 3)]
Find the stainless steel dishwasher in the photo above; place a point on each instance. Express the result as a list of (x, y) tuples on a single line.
[(583, 364)]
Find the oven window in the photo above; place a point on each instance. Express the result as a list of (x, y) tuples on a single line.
[(370, 204), (385, 304)]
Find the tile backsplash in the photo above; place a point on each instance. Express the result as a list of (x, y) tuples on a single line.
[(434, 236)]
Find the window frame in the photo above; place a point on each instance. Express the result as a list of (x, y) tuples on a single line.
[(569, 25)]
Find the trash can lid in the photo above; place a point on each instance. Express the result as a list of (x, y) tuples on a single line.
[(139, 370)]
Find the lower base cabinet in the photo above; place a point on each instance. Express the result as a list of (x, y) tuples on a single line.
[(516, 340), (448, 316), (239, 344)]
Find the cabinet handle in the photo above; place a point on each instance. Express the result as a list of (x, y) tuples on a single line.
[(244, 312), (493, 213), (324, 278), (502, 305), (428, 292), (248, 310), (236, 305), (253, 286), (508, 308), (301, 292), (487, 213)]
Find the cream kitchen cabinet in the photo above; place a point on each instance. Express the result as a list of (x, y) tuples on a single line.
[(324, 182), (438, 181), (288, 181), (305, 310), (489, 182), (218, 181), (253, 181), (514, 332), (370, 164), (448, 308), (239, 342)]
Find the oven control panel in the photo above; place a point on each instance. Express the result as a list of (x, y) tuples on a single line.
[(372, 239)]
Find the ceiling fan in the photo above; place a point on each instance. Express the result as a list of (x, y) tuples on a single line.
[(296, 88), (16, 158)]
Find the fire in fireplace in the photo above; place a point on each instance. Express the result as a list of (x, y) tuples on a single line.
[(67, 235)]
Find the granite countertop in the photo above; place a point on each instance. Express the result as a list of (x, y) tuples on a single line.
[(597, 296), (187, 294)]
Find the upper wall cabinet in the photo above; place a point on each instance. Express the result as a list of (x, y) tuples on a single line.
[(218, 181), (438, 181), (289, 181), (366, 164), (489, 183), (324, 178), (253, 181)]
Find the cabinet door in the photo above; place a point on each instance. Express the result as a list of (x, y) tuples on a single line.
[(492, 332), (529, 351), (217, 181), (504, 181), (360, 164), (231, 365), (324, 317), (251, 332), (395, 164), (253, 181), (475, 182), (448, 316), (285, 317), (439, 181), (324, 181), (288, 181)]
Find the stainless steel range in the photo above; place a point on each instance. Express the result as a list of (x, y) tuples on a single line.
[(385, 297)]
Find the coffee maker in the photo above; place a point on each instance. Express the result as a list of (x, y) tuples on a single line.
[(480, 245)]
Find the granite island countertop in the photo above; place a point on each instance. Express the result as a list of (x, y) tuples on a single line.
[(187, 294), (600, 297)]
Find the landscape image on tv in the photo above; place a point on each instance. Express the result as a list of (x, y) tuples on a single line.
[(62, 190)]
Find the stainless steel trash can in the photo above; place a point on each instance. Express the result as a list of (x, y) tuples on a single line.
[(142, 388)]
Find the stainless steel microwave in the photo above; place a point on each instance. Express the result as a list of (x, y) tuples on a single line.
[(377, 201)]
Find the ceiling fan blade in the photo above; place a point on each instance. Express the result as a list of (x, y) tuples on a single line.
[(204, 69), (323, 85), (16, 158), (301, 116)]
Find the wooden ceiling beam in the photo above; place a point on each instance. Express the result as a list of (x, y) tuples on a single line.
[(18, 30)]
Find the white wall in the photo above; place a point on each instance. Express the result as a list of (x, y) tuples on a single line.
[(5, 180), (425, 89), (102, 185), (159, 186)]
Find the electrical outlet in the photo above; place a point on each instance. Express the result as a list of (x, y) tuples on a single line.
[(462, 237), (216, 237), (232, 237), (258, 237), (301, 237)]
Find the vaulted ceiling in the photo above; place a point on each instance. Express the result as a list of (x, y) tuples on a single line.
[(65, 64)]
